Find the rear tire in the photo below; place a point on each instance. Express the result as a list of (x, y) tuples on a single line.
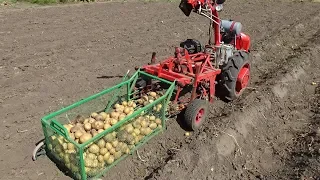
[(195, 114), (235, 76)]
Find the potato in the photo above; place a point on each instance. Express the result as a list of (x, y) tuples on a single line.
[(91, 156), (106, 156), (145, 98), (103, 151), (127, 151), (109, 137), (131, 146), (91, 120), (98, 125), (95, 163), (153, 94), (124, 148), (124, 103), (68, 127), (94, 132), (76, 128), (121, 117), (106, 126), (143, 131), (94, 149), (117, 155), (85, 137), (158, 121), (119, 110), (137, 124), (86, 121), (131, 112), (136, 131), (153, 125), (94, 114), (127, 110), (88, 162), (87, 126), (116, 106), (101, 143), (100, 158), (130, 103), (112, 151), (70, 146), (109, 146), (114, 115), (145, 103), (78, 134), (72, 136), (113, 122), (144, 123), (99, 118), (129, 129), (74, 168), (104, 115), (152, 118), (64, 146), (148, 130), (122, 135), (140, 101), (110, 159), (100, 131), (115, 143), (50, 147)]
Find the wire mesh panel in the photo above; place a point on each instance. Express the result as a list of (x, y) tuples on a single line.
[(89, 137)]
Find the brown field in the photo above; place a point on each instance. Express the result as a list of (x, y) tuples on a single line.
[(53, 56)]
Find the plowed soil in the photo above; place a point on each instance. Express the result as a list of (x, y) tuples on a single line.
[(51, 57)]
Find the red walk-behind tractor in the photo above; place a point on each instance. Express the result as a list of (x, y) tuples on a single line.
[(222, 64)]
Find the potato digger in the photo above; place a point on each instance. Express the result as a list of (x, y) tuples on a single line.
[(197, 70), (89, 137)]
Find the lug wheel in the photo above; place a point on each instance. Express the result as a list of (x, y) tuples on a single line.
[(195, 114), (235, 76)]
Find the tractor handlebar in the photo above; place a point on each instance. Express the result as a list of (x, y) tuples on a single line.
[(187, 6)]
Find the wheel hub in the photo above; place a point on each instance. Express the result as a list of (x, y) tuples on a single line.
[(243, 78), (199, 115)]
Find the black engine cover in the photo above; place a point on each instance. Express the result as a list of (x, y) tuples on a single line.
[(192, 46)]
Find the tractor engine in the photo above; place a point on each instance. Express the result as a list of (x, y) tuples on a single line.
[(192, 46), (229, 30), (231, 33)]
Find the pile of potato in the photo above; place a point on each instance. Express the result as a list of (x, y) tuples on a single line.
[(149, 98), (118, 143), (112, 146)]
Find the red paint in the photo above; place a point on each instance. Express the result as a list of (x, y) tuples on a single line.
[(199, 116), (243, 78), (182, 66), (243, 42)]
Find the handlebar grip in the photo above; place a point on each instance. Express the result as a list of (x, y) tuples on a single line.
[(220, 1)]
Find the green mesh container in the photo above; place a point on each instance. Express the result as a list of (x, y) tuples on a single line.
[(86, 161)]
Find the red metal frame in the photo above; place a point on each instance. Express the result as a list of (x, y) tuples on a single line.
[(195, 69)]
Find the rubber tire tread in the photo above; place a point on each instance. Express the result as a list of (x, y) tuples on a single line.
[(230, 73), (191, 112)]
